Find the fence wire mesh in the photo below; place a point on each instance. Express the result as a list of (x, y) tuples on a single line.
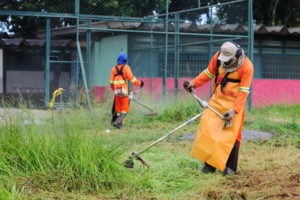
[(194, 33)]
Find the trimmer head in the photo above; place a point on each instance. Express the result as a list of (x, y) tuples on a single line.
[(129, 162)]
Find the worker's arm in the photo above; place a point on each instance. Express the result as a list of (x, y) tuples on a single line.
[(112, 77), (130, 77)]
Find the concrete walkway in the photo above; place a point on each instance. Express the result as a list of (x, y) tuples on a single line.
[(246, 135)]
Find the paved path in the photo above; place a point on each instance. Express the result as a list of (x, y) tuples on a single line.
[(246, 135)]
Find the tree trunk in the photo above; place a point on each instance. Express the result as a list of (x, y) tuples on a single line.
[(274, 12)]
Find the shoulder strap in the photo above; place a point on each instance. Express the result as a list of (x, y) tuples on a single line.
[(119, 71), (217, 72), (224, 79), (217, 69)]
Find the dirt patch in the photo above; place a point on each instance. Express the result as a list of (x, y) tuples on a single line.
[(269, 185), (246, 135)]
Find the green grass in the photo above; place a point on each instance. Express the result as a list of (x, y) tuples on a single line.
[(58, 155), (283, 121), (69, 155)]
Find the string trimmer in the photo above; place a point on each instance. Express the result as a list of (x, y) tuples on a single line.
[(152, 113), (205, 104), (129, 162)]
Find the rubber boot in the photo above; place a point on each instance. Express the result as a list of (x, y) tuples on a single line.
[(208, 169), (118, 122), (114, 117), (228, 171), (113, 113), (232, 161)]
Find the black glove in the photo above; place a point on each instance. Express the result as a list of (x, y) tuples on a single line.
[(188, 85), (229, 114), (142, 84)]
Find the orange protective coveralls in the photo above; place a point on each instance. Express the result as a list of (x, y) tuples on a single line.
[(212, 143), (119, 85)]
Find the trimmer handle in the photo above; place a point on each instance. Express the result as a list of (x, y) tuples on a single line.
[(186, 85)]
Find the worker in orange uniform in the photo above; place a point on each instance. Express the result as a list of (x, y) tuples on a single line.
[(216, 144), (120, 75)]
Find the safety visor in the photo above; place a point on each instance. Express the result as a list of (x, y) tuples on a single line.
[(229, 61)]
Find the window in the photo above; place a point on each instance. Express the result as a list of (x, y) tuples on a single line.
[(24, 59)]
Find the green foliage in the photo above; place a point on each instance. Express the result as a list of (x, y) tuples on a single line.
[(279, 120), (59, 155), (9, 193), (281, 111), (27, 26), (277, 12), (70, 153), (178, 110)]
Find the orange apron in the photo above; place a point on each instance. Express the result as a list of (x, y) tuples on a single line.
[(212, 143)]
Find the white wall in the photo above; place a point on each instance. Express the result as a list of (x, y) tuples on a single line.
[(105, 54)]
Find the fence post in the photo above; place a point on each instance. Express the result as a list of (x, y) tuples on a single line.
[(176, 53), (77, 4), (151, 61), (211, 46), (47, 78), (250, 45), (79, 55), (166, 53), (88, 50), (83, 76)]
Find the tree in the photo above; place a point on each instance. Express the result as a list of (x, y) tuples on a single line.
[(267, 12), (26, 26), (277, 12)]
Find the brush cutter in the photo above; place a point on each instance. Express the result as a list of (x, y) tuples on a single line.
[(205, 104), (152, 113), (129, 162)]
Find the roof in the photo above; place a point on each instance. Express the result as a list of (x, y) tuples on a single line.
[(183, 27), (34, 42)]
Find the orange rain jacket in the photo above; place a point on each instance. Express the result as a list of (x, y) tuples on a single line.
[(119, 85), (213, 143)]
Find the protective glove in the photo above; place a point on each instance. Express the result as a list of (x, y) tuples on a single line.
[(188, 85), (142, 84), (229, 114)]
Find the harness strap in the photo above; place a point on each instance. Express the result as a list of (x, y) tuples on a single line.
[(233, 80), (120, 72), (224, 80), (217, 70)]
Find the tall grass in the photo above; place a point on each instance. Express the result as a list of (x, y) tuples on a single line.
[(58, 154), (176, 110)]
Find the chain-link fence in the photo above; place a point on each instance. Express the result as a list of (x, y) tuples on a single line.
[(163, 40)]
